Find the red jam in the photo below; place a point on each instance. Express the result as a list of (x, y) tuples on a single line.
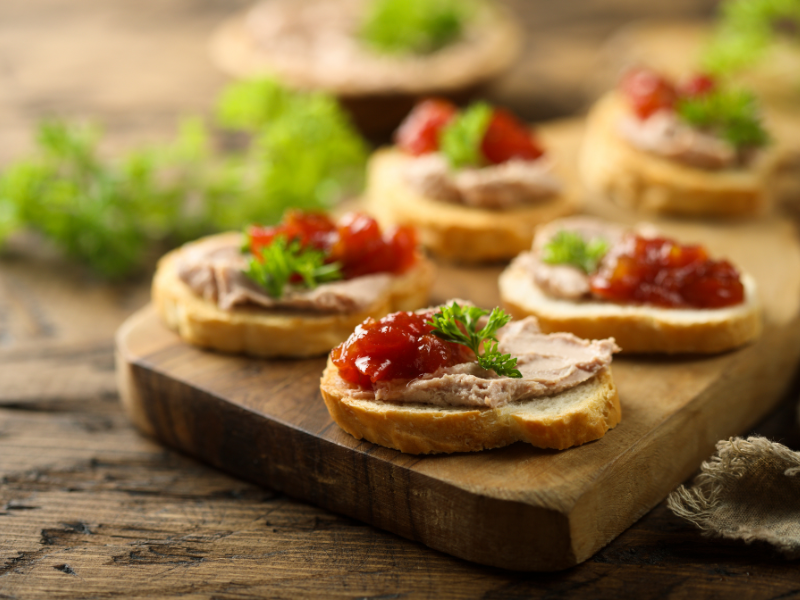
[(355, 242), (399, 346), (697, 85), (648, 92), (660, 271), (311, 229), (506, 137), (419, 132)]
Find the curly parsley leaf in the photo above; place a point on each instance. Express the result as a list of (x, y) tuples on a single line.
[(747, 29), (460, 140), (281, 260), (570, 247), (459, 324), (252, 103), (101, 213), (414, 26), (301, 151), (731, 114)]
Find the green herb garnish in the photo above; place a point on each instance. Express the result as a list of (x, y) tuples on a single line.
[(747, 29), (414, 26), (303, 153), (279, 261), (250, 104), (297, 150), (106, 214), (730, 114), (458, 324), (569, 247), (460, 140)]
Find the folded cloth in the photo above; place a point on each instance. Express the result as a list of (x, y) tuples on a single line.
[(749, 490)]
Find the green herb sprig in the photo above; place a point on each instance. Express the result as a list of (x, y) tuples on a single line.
[(731, 114), (459, 324), (299, 150), (303, 152), (746, 30), (280, 260), (460, 140), (106, 214), (414, 26), (570, 247)]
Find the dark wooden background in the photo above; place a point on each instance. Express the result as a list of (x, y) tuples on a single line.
[(90, 509)]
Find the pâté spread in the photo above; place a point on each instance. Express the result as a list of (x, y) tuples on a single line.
[(398, 359), (510, 167), (696, 123), (628, 267), (365, 260)]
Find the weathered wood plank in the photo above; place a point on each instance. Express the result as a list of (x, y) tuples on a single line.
[(96, 59), (527, 509), (130, 518)]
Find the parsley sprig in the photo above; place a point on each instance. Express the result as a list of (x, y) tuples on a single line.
[(293, 149), (460, 140), (570, 247), (280, 260), (731, 114), (747, 29), (459, 324), (414, 26)]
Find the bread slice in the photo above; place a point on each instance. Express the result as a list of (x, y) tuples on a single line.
[(491, 42), (274, 333), (378, 90), (452, 231), (640, 180), (573, 417), (635, 328)]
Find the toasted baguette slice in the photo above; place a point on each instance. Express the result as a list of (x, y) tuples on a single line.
[(377, 89), (635, 328), (451, 231), (573, 417), (640, 180), (274, 333)]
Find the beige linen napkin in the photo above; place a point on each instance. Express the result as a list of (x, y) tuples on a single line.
[(749, 490)]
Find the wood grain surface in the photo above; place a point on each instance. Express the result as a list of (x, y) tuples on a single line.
[(526, 509), (91, 509)]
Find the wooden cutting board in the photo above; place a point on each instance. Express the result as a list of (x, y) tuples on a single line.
[(518, 507)]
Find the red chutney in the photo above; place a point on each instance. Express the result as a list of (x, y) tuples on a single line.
[(648, 92), (505, 138), (398, 346), (697, 85), (419, 133), (355, 242), (660, 271)]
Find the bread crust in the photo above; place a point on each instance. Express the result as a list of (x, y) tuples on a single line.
[(453, 231), (578, 415), (274, 333), (640, 180), (635, 328)]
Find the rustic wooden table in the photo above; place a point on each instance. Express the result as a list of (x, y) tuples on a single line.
[(90, 508)]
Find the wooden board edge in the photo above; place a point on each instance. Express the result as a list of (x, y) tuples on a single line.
[(129, 392), (768, 383), (459, 522)]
